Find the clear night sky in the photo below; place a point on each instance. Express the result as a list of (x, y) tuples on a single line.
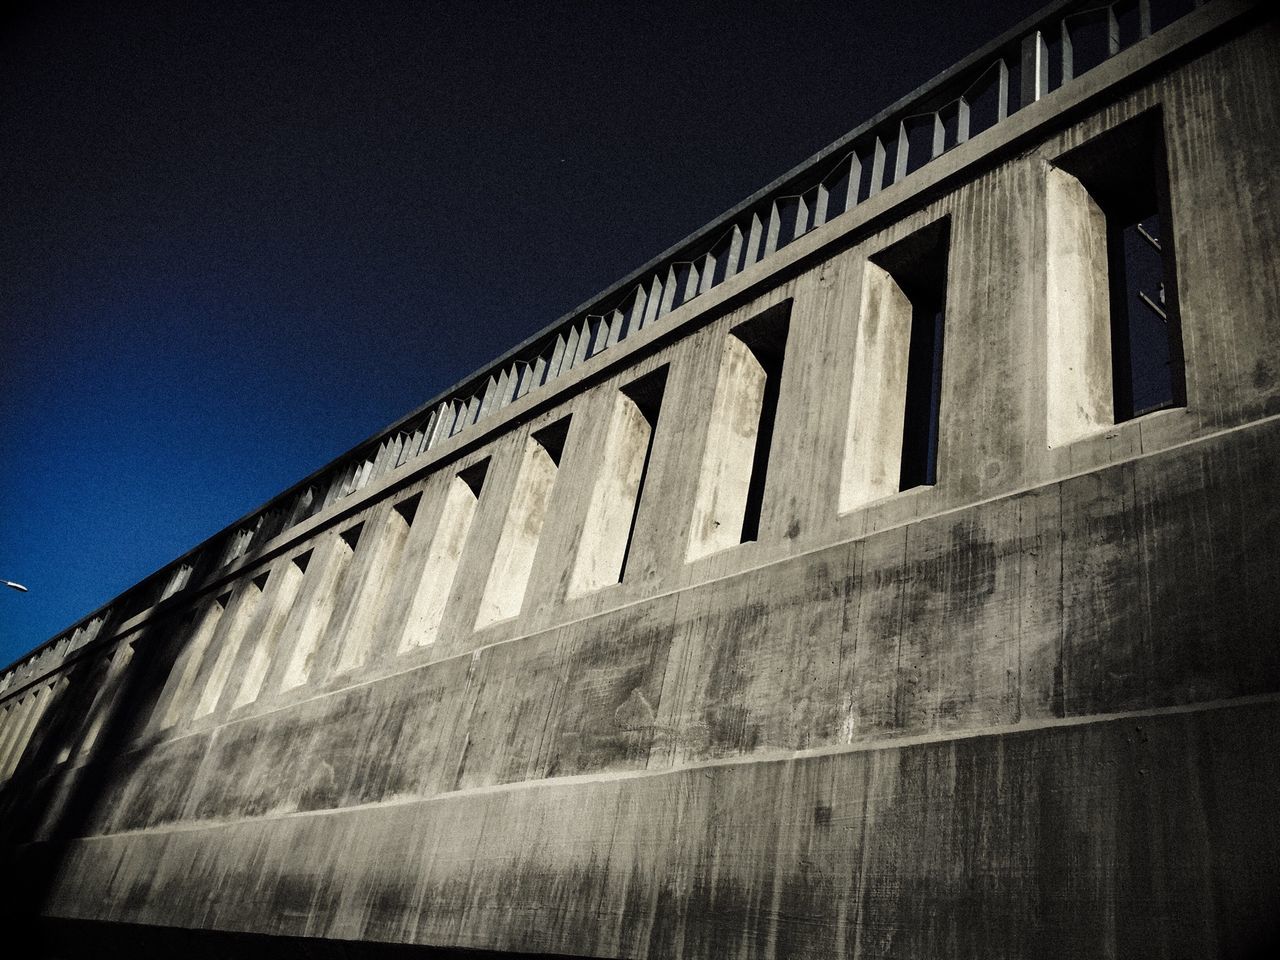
[(237, 238)]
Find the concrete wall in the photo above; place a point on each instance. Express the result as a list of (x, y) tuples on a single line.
[(1028, 711)]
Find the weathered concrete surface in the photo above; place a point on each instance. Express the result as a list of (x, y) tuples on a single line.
[(1077, 840), (1029, 711), (1076, 599)]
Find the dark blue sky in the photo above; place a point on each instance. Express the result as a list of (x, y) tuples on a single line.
[(236, 240)]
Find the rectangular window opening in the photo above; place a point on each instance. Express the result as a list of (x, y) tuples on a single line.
[(444, 557), (731, 486), (918, 265), (314, 615), (522, 529), (287, 584), (356, 633), (895, 398), (1114, 328), (609, 529), (246, 608), (187, 667)]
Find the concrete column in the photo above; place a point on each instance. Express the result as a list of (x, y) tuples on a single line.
[(303, 632), (105, 700), (607, 528), (277, 606), (15, 714), (755, 241), (904, 151), (432, 594), (352, 631), (174, 702), (1078, 361), (730, 452), (1035, 68), (521, 532), (38, 701), (243, 609), (878, 159), (873, 439)]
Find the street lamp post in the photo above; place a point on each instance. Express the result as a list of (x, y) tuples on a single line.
[(14, 586)]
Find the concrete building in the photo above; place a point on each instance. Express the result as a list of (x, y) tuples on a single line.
[(891, 569)]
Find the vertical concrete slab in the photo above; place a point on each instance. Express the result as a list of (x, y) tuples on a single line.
[(177, 703), (606, 530), (352, 628), (423, 624), (302, 633), (1035, 67), (730, 451), (1078, 364), (243, 611), (521, 531), (278, 608), (873, 446)]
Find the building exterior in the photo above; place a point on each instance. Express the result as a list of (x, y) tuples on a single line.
[(891, 569)]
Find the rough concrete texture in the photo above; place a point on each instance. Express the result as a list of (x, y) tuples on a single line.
[(1028, 711)]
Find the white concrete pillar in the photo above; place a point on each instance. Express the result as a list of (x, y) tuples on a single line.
[(521, 532), (448, 542), (280, 600), (1079, 393), (873, 443), (730, 451)]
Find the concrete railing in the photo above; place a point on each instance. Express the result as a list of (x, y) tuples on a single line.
[(1056, 45)]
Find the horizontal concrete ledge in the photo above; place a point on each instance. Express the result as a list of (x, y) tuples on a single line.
[(757, 759)]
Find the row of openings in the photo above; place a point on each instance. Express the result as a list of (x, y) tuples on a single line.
[(894, 419), (727, 511), (1065, 48), (293, 608)]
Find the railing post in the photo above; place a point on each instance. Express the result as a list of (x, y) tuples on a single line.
[(1035, 68), (904, 147), (1068, 54), (755, 241), (877, 167), (735, 253)]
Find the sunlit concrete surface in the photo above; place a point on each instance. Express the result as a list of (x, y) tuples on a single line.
[(646, 660)]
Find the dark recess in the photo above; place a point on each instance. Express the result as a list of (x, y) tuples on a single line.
[(918, 265)]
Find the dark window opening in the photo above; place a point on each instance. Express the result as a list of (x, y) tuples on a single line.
[(408, 508), (1124, 171), (351, 536), (646, 393), (552, 439), (766, 337), (1140, 356), (918, 265), (473, 476)]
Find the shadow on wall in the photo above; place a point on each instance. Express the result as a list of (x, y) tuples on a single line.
[(67, 767), (58, 793)]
